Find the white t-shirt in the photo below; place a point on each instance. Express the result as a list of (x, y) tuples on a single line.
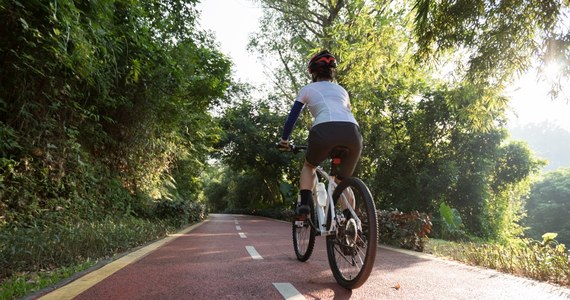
[(327, 102)]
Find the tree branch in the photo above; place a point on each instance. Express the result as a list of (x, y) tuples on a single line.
[(287, 69)]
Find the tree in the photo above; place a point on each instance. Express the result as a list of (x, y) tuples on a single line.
[(515, 167), (548, 206), (92, 93), (501, 38), (255, 166), (428, 139)]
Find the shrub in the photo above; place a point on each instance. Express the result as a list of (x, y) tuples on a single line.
[(406, 230), (448, 225), (180, 212), (279, 213)]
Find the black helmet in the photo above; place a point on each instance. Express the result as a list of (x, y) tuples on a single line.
[(321, 60)]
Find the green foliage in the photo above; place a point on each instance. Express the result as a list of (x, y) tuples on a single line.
[(178, 213), (450, 223), (450, 216), (504, 208), (43, 246), (277, 212), (101, 90), (216, 190), (525, 257), (28, 283), (512, 35), (104, 108), (255, 167), (406, 230), (548, 206), (428, 137), (549, 237)]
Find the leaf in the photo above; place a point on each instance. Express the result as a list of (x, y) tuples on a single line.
[(549, 236), (24, 23), (447, 214)]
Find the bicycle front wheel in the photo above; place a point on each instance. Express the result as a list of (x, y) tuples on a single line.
[(304, 236), (352, 250)]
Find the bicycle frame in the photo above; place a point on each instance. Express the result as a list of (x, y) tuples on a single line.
[(323, 213), (351, 249)]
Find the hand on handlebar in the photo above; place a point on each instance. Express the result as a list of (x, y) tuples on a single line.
[(284, 146)]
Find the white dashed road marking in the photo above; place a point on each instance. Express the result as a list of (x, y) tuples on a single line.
[(254, 254), (238, 227), (242, 235), (288, 291)]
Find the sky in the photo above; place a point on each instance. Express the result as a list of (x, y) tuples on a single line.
[(232, 21)]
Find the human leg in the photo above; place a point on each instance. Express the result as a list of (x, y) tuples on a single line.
[(306, 184)]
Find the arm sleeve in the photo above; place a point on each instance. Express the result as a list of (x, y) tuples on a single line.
[(291, 120)]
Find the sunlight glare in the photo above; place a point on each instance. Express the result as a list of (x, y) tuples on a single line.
[(552, 71)]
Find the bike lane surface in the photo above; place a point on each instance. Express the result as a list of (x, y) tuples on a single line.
[(245, 257)]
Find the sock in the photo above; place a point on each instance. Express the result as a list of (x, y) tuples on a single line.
[(306, 196)]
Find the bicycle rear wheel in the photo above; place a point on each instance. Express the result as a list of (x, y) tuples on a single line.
[(304, 236), (352, 251)]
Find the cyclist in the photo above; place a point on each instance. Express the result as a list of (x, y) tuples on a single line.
[(333, 125)]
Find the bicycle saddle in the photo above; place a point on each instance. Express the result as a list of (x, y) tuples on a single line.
[(339, 152)]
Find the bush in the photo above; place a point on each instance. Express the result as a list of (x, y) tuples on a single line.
[(448, 225), (180, 212), (279, 213), (405, 230)]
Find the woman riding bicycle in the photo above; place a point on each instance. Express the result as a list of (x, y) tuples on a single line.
[(333, 125)]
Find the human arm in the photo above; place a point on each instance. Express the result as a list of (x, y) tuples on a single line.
[(290, 124)]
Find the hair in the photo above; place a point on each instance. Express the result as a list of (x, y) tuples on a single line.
[(324, 73), (322, 65)]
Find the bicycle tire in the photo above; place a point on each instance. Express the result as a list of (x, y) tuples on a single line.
[(352, 262), (304, 237)]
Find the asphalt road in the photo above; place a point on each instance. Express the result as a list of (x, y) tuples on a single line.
[(245, 257)]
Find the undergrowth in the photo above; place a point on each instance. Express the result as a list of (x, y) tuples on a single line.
[(29, 282), (544, 261), (35, 257)]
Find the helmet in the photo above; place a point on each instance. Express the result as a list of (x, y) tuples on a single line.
[(321, 60)]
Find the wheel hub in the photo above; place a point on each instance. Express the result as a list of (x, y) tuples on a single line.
[(350, 233)]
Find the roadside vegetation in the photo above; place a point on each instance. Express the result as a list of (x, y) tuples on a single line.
[(104, 131), (545, 260)]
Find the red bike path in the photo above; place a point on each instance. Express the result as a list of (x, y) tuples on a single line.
[(246, 257)]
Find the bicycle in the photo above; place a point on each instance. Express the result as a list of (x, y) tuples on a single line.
[(351, 239)]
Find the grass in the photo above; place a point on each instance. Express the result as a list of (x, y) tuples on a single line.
[(41, 254), (33, 258), (548, 262), (23, 284)]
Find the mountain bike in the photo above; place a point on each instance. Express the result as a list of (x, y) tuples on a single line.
[(345, 213)]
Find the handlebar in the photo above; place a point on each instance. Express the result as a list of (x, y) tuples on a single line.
[(293, 148), (297, 149)]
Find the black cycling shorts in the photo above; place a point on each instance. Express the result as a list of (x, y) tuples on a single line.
[(324, 137)]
